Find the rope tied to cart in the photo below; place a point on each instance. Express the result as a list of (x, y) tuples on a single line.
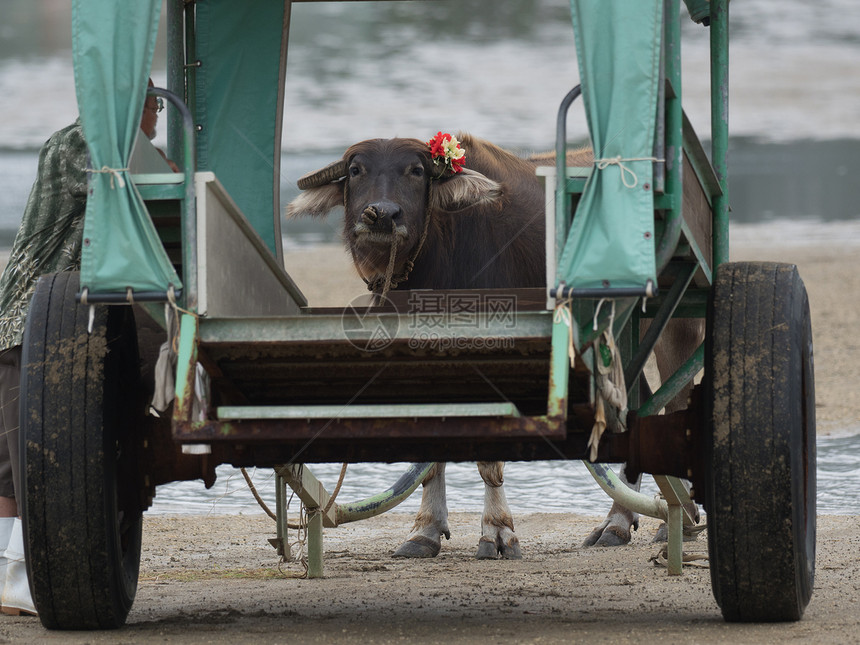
[(165, 366), (563, 314), (626, 172), (609, 379), (113, 172), (608, 371)]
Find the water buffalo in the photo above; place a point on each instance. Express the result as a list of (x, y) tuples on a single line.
[(419, 216)]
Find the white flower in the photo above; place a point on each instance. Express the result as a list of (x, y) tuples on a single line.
[(452, 149)]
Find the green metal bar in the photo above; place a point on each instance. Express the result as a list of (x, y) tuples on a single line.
[(189, 66), (386, 411), (186, 366), (675, 541), (674, 134), (676, 292), (697, 252), (189, 201), (562, 197), (159, 192), (679, 505), (530, 325), (309, 489), (698, 159), (669, 390), (175, 71), (283, 544), (559, 373), (720, 124), (693, 305), (315, 543)]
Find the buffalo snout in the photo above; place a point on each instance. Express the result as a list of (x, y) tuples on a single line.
[(380, 215)]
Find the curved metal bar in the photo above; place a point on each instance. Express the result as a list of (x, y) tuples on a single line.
[(674, 384), (385, 501), (189, 210), (626, 496), (562, 215)]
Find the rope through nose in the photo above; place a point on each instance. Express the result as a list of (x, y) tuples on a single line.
[(389, 272)]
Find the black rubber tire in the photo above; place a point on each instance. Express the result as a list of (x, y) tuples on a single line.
[(79, 398), (760, 447)]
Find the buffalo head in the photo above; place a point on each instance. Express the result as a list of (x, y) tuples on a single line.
[(390, 190)]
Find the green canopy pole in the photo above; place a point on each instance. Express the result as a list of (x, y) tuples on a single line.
[(720, 125), (175, 73), (668, 241)]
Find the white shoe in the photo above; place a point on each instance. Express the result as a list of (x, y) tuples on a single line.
[(5, 531), (16, 599)]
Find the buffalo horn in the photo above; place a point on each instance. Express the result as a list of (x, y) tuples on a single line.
[(327, 175)]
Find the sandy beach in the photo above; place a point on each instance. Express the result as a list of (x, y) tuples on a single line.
[(215, 579)]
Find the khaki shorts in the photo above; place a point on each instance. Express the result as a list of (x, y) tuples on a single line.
[(10, 377)]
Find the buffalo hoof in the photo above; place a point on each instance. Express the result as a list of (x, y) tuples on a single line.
[(418, 547), (690, 534), (662, 534), (489, 550), (607, 536)]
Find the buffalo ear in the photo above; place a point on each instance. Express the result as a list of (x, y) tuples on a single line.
[(465, 189), (316, 202)]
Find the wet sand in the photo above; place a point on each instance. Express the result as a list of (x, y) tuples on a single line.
[(215, 579)]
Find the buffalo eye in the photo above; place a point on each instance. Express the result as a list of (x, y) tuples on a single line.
[(354, 170), (417, 171)]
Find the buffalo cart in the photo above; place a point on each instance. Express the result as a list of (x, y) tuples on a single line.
[(182, 296)]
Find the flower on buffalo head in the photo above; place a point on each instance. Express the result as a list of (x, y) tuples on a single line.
[(445, 150)]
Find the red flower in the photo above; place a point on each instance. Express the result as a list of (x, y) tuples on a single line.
[(447, 148)]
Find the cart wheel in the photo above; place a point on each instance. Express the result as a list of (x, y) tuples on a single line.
[(760, 497), (79, 398)]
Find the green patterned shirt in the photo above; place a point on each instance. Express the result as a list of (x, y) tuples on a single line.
[(51, 232)]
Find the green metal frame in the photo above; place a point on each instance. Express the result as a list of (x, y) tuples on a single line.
[(679, 139)]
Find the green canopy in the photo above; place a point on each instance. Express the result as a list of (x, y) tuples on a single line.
[(240, 104), (611, 241), (112, 51)]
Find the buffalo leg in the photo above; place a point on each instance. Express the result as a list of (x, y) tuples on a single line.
[(497, 524), (431, 522), (678, 340), (615, 529)]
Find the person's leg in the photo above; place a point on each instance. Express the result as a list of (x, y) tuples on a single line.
[(9, 384), (15, 598)]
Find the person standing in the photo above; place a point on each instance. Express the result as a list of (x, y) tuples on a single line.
[(48, 241)]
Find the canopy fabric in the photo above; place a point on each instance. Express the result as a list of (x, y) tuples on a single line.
[(112, 48), (611, 240), (239, 45)]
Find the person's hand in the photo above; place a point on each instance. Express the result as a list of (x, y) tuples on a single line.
[(170, 162)]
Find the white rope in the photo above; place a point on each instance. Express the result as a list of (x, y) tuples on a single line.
[(563, 315), (603, 164), (113, 172)]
